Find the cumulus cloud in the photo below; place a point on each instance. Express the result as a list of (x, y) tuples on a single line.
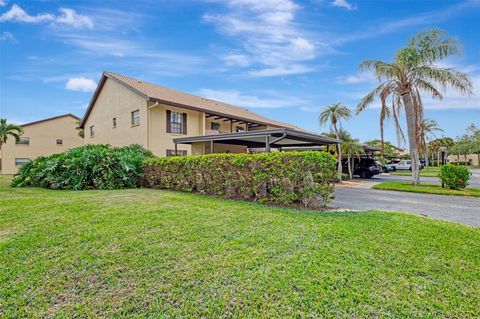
[(343, 4), (267, 34), (81, 84), (3, 3), (67, 17)]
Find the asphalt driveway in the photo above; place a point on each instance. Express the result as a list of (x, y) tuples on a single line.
[(459, 209)]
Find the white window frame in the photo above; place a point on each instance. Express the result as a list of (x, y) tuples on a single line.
[(135, 117), (21, 161), (23, 141), (176, 122)]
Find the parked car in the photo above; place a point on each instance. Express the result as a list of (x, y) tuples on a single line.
[(406, 165), (364, 167), (391, 167)]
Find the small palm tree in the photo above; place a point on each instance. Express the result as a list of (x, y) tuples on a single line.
[(351, 148), (7, 130), (333, 114), (413, 70), (429, 127)]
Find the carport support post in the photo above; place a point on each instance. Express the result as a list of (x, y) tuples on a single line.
[(211, 147), (267, 143), (175, 149)]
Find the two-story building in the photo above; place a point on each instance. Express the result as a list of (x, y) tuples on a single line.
[(125, 110), (53, 135)]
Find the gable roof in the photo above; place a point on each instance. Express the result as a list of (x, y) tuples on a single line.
[(51, 119), (164, 95)]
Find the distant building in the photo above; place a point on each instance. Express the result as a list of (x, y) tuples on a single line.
[(44, 137)]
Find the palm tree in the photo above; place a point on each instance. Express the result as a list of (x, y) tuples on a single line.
[(333, 114), (413, 70), (7, 130), (429, 127)]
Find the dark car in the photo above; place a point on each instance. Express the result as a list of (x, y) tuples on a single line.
[(364, 167)]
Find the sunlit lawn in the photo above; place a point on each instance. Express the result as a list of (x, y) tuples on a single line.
[(157, 254)]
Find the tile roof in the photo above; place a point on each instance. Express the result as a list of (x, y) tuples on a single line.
[(163, 94)]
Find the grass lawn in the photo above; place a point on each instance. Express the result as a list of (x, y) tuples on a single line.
[(426, 188), (149, 253), (422, 173)]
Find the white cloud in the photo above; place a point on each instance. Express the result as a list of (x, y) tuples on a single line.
[(17, 14), (67, 17), (364, 77), (267, 35), (3, 3), (7, 36), (282, 70), (343, 4), (236, 59), (81, 84), (252, 101), (71, 18)]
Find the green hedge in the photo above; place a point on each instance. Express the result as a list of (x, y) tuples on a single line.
[(278, 178), (86, 167), (455, 176)]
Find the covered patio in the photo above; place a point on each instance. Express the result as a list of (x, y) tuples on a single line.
[(280, 139)]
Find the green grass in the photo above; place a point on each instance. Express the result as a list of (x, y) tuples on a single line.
[(159, 254), (422, 173), (427, 189)]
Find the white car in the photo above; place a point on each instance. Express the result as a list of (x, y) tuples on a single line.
[(406, 165)]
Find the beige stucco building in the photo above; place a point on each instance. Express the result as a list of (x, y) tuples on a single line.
[(45, 137), (124, 110)]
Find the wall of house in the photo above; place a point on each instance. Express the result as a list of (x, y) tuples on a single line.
[(160, 141), (204, 148), (117, 101), (224, 125), (43, 141), (473, 158)]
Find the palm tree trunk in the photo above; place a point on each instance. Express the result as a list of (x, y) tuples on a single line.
[(350, 173), (339, 149), (412, 138)]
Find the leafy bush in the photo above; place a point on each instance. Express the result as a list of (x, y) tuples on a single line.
[(454, 176), (280, 178), (86, 167)]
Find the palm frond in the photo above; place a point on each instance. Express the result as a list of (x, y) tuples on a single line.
[(446, 77)]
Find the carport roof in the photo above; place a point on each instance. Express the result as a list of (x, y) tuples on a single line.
[(283, 137)]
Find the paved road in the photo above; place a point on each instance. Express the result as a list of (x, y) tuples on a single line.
[(464, 210)]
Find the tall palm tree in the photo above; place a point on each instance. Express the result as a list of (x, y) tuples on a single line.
[(7, 130), (429, 127), (413, 70), (333, 114)]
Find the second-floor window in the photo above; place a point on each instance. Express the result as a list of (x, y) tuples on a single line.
[(114, 122), (92, 131), (23, 141), (215, 126), (59, 141), (136, 118), (176, 122)]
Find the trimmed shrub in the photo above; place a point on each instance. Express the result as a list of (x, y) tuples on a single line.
[(278, 178), (86, 167), (455, 176)]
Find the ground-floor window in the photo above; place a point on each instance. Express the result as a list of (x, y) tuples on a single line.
[(21, 161), (179, 153)]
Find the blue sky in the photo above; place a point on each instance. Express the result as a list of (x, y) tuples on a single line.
[(284, 59)]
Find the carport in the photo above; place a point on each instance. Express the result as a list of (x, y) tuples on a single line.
[(266, 139)]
